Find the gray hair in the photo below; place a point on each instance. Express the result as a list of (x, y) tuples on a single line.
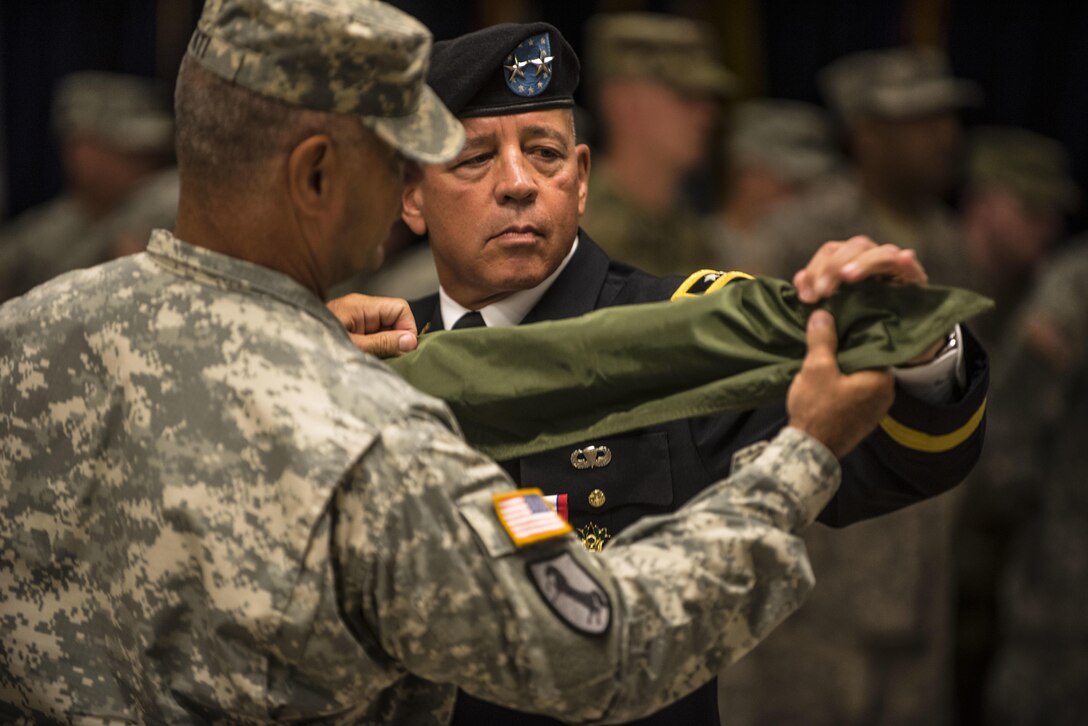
[(225, 132)]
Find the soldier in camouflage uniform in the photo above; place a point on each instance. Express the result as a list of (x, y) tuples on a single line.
[(777, 150), (898, 107), (1026, 513), (213, 508), (872, 646), (117, 137), (1018, 190), (657, 84)]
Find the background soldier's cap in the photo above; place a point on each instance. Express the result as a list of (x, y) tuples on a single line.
[(679, 52), (352, 57), (131, 113), (504, 69), (794, 139), (1030, 165), (897, 83)]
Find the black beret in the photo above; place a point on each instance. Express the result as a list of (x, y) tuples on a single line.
[(504, 69)]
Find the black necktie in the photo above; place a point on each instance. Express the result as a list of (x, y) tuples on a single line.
[(470, 320)]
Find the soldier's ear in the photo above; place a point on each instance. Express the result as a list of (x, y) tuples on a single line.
[(582, 153), (311, 167), (411, 210)]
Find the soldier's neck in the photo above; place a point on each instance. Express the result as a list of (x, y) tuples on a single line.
[(253, 237)]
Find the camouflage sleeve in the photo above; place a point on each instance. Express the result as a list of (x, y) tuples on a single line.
[(1040, 367), (1057, 303), (431, 579)]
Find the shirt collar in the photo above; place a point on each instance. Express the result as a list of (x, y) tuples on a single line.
[(232, 273), (510, 310)]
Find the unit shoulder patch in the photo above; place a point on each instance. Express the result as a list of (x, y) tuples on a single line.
[(702, 282), (572, 593)]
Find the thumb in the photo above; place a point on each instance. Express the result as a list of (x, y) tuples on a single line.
[(821, 338), (387, 344)]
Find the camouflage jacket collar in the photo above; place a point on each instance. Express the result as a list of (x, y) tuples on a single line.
[(231, 273)]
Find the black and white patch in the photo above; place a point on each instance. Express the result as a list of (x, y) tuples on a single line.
[(572, 594)]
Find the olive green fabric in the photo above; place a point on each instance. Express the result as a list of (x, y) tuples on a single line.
[(527, 389)]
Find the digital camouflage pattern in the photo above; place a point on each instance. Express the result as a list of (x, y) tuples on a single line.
[(673, 242), (131, 113), (793, 139), (895, 83), (837, 209), (1034, 167), (356, 57), (679, 52), (1027, 506), (212, 507), (58, 236)]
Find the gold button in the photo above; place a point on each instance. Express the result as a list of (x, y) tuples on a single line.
[(596, 498)]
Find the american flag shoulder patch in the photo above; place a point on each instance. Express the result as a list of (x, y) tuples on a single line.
[(527, 517)]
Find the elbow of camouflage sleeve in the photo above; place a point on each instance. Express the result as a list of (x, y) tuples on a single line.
[(698, 589)]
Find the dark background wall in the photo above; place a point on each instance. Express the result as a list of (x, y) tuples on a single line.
[(1029, 56)]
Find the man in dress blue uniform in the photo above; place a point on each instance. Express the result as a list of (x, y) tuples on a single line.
[(502, 219)]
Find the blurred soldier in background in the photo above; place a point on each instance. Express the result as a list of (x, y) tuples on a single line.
[(117, 136), (776, 150), (658, 84), (1026, 517), (899, 108), (1017, 193), (872, 646)]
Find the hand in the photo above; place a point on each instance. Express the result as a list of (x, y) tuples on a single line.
[(855, 259), (836, 409), (381, 326)]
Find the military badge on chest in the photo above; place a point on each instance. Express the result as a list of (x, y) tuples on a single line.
[(528, 70), (593, 536)]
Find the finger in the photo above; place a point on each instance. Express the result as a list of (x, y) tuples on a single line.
[(387, 344), (389, 314), (822, 341), (804, 278), (828, 277), (342, 309), (886, 261), (370, 314)]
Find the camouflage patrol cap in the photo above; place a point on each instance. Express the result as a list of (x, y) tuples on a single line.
[(1032, 166), (896, 83), (352, 57), (504, 69), (128, 112), (792, 138), (678, 52)]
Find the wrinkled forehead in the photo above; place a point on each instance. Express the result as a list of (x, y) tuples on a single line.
[(549, 122)]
